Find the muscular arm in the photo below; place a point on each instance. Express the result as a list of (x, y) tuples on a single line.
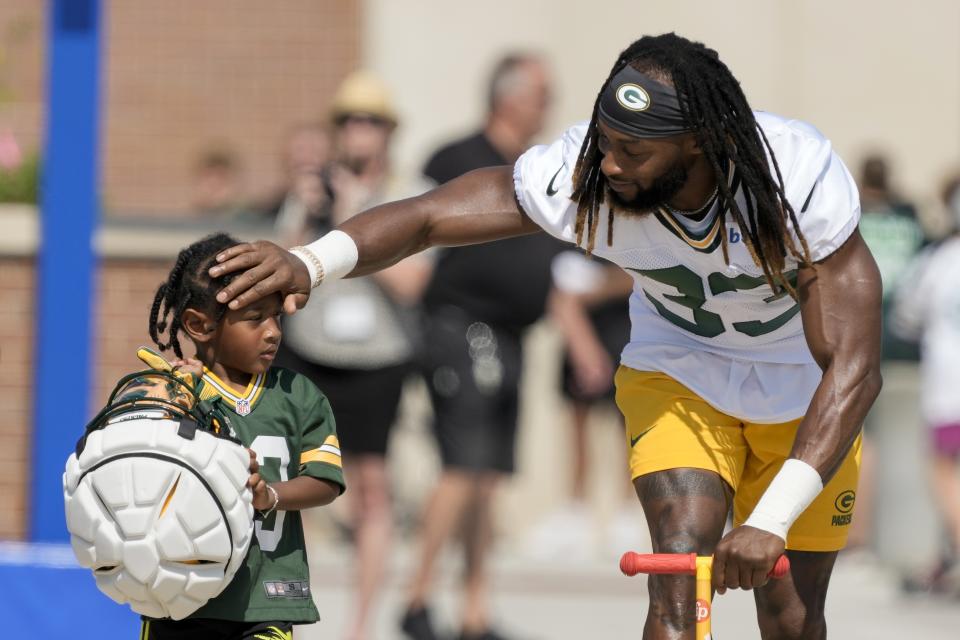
[(840, 307), (479, 206)]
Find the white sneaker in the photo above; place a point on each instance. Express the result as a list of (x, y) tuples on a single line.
[(628, 532), (564, 534)]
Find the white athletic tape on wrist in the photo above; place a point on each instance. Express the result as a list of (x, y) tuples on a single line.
[(794, 487), (336, 252)]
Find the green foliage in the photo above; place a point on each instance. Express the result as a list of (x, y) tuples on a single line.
[(22, 183)]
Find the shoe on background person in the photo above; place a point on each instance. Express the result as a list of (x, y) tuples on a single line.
[(416, 625)]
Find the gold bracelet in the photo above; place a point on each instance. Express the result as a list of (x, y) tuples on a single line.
[(314, 260)]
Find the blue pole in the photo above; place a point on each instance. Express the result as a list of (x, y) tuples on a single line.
[(65, 263)]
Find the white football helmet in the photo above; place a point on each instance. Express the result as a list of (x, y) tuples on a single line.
[(156, 498)]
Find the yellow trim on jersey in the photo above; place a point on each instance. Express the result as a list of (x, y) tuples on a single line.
[(332, 441), (144, 630), (328, 452), (318, 455), (251, 394), (682, 231)]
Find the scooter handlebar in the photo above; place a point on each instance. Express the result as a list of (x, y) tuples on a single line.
[(679, 563)]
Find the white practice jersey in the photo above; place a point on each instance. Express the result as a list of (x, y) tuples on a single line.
[(927, 306), (717, 328)]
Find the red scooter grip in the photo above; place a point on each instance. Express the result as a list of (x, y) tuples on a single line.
[(673, 563), (781, 568), (678, 563)]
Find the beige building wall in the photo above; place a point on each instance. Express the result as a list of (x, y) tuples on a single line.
[(870, 74), (181, 79)]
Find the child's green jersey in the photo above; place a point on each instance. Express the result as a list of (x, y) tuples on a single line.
[(285, 419)]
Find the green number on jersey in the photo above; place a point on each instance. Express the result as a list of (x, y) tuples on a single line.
[(706, 323), (690, 286)]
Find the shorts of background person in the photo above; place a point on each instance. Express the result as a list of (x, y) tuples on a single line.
[(946, 439), (364, 402), (611, 322), (472, 370)]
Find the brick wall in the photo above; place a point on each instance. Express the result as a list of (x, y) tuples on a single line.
[(16, 359), (21, 70), (181, 77), (124, 292)]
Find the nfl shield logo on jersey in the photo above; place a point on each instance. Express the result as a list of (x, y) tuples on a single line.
[(243, 407)]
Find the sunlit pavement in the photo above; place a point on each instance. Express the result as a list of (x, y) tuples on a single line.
[(592, 601)]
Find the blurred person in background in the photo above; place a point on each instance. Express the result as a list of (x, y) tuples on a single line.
[(891, 229), (927, 307), (355, 340), (478, 304), (589, 305), (303, 198), (216, 184)]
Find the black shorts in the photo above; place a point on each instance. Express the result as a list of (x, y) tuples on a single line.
[(473, 372), (210, 629), (611, 322), (364, 402)]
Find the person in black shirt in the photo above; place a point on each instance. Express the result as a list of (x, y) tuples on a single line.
[(476, 307)]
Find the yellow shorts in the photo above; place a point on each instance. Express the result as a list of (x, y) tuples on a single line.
[(668, 426)]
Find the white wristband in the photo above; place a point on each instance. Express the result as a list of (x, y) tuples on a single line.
[(792, 490), (331, 257)]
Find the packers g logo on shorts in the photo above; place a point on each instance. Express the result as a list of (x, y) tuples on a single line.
[(844, 505), (633, 97), (844, 501)]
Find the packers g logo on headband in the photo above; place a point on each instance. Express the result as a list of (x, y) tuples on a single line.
[(633, 97)]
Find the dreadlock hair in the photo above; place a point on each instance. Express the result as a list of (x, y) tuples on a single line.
[(714, 105), (189, 286)]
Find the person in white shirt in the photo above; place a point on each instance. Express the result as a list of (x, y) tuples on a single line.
[(927, 308), (755, 345)]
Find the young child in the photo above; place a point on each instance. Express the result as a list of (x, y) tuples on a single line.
[(288, 426)]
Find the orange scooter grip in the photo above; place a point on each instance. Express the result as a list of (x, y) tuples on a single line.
[(678, 563), (672, 563)]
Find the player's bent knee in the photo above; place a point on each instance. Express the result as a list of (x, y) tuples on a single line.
[(793, 624), (672, 596), (687, 542), (672, 602), (791, 620)]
